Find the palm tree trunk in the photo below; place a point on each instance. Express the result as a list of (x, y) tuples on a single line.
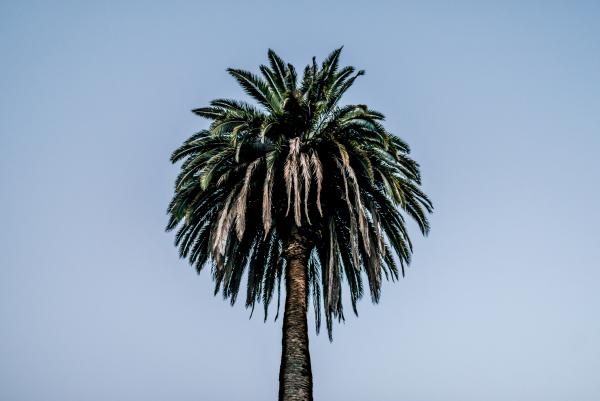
[(295, 375)]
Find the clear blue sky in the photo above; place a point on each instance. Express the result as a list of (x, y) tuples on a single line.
[(499, 100)]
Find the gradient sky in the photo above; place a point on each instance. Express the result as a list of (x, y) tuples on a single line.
[(500, 102)]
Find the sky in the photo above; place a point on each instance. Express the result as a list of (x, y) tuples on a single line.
[(500, 102)]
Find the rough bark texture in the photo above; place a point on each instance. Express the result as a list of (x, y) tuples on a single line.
[(295, 375)]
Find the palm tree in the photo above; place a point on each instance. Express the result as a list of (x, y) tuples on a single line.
[(298, 187)]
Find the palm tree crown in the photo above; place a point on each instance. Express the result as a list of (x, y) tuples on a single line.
[(299, 161)]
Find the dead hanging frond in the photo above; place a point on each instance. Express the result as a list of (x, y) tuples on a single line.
[(266, 203), (377, 225), (332, 268), (305, 169), (353, 230), (268, 192), (374, 272), (318, 173), (360, 210), (221, 232), (240, 207), (291, 174)]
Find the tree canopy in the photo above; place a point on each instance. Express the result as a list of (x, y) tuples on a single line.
[(297, 159)]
